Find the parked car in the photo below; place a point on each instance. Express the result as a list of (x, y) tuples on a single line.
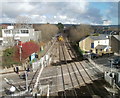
[(116, 62), (93, 55)]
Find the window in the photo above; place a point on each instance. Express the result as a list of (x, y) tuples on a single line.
[(92, 45), (107, 50), (24, 31), (7, 31)]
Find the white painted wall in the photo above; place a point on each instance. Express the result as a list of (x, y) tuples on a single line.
[(101, 42), (104, 42), (95, 43)]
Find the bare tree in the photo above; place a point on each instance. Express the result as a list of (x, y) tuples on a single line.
[(48, 31), (23, 22), (78, 32)]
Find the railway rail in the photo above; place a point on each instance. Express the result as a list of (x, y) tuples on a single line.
[(97, 91), (71, 77)]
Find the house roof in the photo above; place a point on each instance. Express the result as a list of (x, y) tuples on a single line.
[(117, 37), (102, 47), (100, 37)]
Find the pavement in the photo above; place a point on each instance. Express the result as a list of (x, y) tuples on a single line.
[(104, 60), (15, 79)]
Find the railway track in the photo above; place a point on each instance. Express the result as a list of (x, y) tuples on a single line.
[(62, 94), (69, 72), (73, 78), (101, 91), (100, 81), (74, 67)]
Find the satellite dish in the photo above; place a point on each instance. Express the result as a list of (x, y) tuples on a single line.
[(12, 89)]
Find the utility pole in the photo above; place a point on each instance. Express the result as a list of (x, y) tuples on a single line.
[(26, 77), (111, 65)]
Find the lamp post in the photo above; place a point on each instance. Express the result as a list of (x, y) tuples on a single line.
[(110, 37), (111, 64)]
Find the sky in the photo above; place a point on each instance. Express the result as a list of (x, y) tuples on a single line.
[(75, 12)]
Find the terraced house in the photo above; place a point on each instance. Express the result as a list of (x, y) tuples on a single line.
[(96, 44)]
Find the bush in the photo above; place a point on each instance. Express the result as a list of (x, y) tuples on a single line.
[(78, 51), (96, 34), (8, 57)]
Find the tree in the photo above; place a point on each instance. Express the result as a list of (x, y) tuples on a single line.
[(60, 26), (47, 31), (23, 22), (78, 32)]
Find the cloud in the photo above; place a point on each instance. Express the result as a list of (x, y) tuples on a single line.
[(113, 11), (54, 12), (107, 22)]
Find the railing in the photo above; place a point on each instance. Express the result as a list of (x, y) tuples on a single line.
[(44, 63), (43, 91)]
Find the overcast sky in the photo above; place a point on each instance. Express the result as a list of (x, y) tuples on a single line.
[(64, 12)]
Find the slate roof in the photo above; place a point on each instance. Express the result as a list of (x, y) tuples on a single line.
[(100, 37), (102, 47)]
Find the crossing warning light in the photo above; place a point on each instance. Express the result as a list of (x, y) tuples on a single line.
[(20, 43)]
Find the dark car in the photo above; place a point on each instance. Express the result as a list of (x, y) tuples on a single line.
[(93, 55), (116, 62)]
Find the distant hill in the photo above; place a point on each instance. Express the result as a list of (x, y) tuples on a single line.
[(67, 25)]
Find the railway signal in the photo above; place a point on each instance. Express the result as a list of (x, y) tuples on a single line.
[(20, 46)]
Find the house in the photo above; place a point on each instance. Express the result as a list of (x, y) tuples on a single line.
[(96, 44), (115, 43), (12, 35)]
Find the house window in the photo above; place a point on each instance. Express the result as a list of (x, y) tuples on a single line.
[(107, 50), (96, 50), (24, 31), (92, 45), (7, 31)]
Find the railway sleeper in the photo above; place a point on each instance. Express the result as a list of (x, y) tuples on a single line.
[(82, 91), (96, 92), (101, 88)]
